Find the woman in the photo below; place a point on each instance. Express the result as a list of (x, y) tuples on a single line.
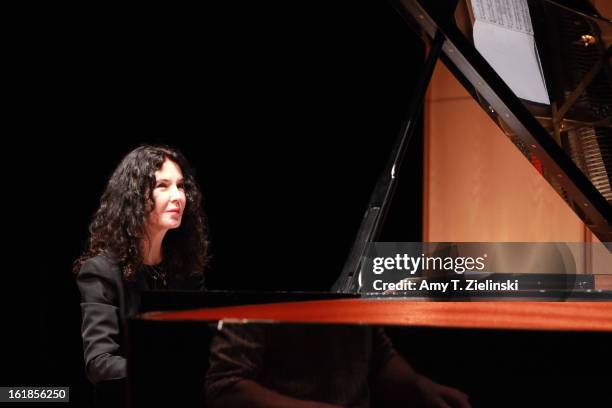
[(148, 234)]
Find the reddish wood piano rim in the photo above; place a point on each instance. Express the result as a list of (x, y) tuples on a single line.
[(574, 316)]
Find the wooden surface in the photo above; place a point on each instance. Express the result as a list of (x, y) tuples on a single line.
[(478, 187), (575, 316)]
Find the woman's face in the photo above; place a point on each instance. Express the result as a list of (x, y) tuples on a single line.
[(169, 198)]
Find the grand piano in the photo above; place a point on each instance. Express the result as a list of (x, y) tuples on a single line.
[(545, 345)]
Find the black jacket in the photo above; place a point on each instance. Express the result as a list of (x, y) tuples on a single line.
[(107, 301)]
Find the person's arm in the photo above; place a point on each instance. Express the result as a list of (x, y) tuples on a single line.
[(100, 326), (396, 380), (248, 393), (235, 365)]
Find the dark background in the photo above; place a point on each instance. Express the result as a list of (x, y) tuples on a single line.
[(286, 110)]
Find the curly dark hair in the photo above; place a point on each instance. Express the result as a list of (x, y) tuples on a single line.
[(119, 223)]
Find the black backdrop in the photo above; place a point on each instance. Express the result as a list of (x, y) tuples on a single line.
[(286, 110)]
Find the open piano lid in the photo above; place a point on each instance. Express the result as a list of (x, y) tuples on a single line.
[(562, 122)]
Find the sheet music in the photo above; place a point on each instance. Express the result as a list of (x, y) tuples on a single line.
[(513, 15), (503, 34)]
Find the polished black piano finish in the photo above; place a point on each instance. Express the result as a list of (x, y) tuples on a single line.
[(519, 119), (502, 354)]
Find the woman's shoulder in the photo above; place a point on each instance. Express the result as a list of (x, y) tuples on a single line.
[(99, 281), (101, 265)]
